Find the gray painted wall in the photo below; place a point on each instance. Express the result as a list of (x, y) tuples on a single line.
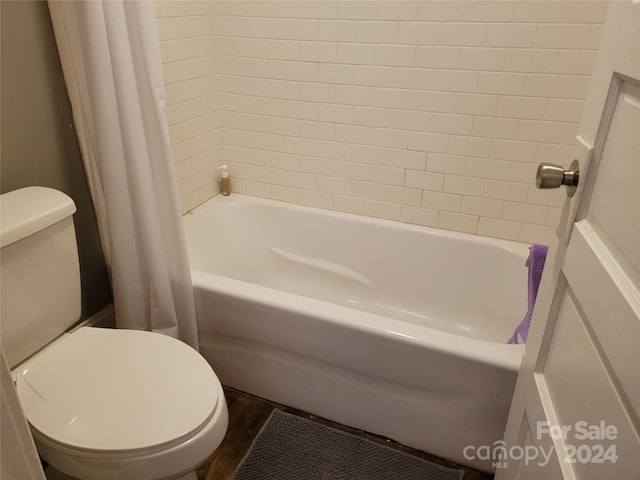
[(38, 140)]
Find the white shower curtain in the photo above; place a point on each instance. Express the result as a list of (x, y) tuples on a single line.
[(111, 59)]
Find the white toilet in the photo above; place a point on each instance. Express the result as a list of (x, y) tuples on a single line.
[(103, 404)]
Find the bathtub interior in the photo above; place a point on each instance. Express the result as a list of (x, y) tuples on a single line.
[(451, 282)]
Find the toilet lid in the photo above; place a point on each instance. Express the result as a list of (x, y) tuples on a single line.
[(117, 390)]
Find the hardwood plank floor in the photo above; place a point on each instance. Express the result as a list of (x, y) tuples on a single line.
[(248, 413)]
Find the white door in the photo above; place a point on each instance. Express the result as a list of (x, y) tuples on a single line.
[(576, 407)]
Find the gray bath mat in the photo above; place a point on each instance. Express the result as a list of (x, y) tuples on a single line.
[(293, 448)]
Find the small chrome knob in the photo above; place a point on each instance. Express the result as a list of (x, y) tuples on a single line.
[(553, 176)]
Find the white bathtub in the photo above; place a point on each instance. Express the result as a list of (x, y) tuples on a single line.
[(395, 329)]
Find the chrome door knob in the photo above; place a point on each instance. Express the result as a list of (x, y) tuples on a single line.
[(553, 176)]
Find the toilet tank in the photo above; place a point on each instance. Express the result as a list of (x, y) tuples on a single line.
[(40, 272)]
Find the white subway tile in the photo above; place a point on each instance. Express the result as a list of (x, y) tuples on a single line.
[(428, 142), (318, 51), (483, 207), (351, 170), (418, 33), (318, 130), (316, 199), (386, 175), (403, 195), (356, 53), (420, 216), (539, 11), (489, 11), (563, 110), (398, 9), (297, 29), (318, 92), (284, 161), (335, 73), (492, 227), (482, 59), (511, 35), (409, 119), (318, 9), (385, 137), (432, 101), (441, 201), (523, 172), (336, 31), (555, 153), (390, 211), (535, 234), (354, 95), (414, 78), (353, 134), (579, 62), (424, 180), (408, 159), (545, 198), (301, 180), (328, 112), (469, 146), (562, 35), (270, 175), (437, 56), (550, 85), (349, 204), (442, 10), (285, 194), (595, 35), (463, 185), (357, 10), (374, 117), (475, 104), (488, 168), (374, 76), (499, 190), (301, 110), (456, 80), (463, 34), (279, 49), (514, 150), (458, 222), (375, 32), (370, 154), (579, 11), (495, 127), (255, 189), (395, 55), (302, 146), (541, 131), (503, 83), (522, 107), (521, 212), (319, 166), (391, 98), (531, 60), (445, 163), (451, 123)]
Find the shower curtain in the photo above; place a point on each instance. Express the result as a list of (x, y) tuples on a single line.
[(110, 55)]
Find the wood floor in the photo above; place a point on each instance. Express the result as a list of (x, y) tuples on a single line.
[(247, 414)]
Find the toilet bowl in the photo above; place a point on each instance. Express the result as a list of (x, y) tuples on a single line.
[(108, 404), (102, 404)]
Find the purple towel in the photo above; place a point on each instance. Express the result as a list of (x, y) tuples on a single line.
[(537, 257)]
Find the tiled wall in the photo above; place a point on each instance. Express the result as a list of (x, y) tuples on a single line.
[(429, 112)]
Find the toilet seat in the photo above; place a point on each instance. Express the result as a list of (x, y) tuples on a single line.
[(117, 391)]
